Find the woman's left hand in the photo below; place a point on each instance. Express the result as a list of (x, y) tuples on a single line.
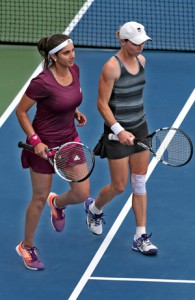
[(81, 118)]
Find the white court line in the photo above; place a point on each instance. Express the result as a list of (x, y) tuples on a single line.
[(143, 280), (78, 16), (125, 210), (16, 100), (67, 31)]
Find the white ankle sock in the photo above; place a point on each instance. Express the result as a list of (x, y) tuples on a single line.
[(54, 203), (94, 209), (139, 231)]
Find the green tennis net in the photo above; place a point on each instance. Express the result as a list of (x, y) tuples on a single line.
[(94, 23)]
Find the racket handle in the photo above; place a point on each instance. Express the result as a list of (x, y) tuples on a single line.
[(113, 137), (25, 146)]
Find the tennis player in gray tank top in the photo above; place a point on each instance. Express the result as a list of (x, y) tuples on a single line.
[(126, 101), (120, 103)]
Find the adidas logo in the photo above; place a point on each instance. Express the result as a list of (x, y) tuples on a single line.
[(76, 158)]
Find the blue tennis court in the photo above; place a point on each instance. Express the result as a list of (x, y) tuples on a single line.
[(78, 264)]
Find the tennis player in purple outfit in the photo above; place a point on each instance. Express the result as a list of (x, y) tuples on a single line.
[(57, 94)]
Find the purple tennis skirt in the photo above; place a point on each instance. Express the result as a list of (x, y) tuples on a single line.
[(38, 164)]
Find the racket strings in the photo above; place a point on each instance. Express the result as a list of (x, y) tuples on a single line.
[(171, 146), (74, 162)]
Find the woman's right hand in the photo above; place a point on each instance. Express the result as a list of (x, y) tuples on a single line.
[(126, 138), (40, 150)]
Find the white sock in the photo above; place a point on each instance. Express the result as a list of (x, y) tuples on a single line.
[(94, 209), (54, 203), (139, 231)]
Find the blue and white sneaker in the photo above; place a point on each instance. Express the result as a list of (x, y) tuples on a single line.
[(144, 245), (93, 221)]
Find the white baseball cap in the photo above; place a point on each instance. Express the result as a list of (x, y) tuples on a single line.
[(133, 32)]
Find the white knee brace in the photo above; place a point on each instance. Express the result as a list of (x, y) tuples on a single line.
[(138, 183)]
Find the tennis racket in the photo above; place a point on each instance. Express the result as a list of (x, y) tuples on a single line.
[(170, 146), (72, 161)]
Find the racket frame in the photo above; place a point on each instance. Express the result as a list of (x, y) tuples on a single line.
[(57, 152), (52, 154), (149, 138)]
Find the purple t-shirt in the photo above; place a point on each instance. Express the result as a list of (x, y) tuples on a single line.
[(56, 104)]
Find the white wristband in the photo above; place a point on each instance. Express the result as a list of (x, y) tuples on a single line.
[(116, 128)]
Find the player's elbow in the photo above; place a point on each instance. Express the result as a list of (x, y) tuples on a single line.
[(18, 113)]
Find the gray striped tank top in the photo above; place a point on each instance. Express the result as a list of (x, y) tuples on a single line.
[(126, 101)]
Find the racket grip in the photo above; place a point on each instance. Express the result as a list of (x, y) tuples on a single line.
[(113, 137), (25, 146)]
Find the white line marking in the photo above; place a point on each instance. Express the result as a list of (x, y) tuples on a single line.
[(185, 110), (176, 124), (67, 31), (78, 16), (16, 100), (125, 210), (142, 279), (106, 242)]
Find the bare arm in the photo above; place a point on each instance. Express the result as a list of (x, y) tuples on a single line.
[(22, 114), (110, 73), (142, 60)]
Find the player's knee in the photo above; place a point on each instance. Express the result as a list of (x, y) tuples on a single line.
[(119, 187), (40, 195), (39, 200), (138, 183)]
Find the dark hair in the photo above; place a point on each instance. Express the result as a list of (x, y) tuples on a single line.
[(48, 43)]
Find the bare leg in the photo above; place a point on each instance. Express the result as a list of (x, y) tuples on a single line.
[(41, 184), (139, 165), (119, 177), (78, 193)]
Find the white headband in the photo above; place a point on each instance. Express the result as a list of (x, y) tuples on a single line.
[(60, 46)]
